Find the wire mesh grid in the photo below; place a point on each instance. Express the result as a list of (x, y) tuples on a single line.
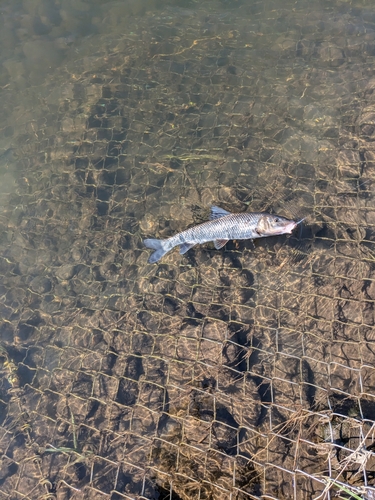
[(241, 373)]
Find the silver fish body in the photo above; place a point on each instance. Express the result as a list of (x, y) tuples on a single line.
[(222, 227)]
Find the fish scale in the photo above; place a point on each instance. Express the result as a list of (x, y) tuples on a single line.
[(230, 227), (222, 227)]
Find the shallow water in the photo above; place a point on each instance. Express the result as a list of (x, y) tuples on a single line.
[(240, 373)]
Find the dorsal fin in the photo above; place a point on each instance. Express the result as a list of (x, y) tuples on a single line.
[(217, 212)]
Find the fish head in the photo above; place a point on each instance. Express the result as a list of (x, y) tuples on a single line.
[(273, 225)]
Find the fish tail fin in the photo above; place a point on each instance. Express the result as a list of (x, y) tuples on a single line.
[(157, 245)]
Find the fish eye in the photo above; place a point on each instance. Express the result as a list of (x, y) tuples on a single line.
[(277, 219)]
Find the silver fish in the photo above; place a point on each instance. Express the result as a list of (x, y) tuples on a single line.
[(222, 227)]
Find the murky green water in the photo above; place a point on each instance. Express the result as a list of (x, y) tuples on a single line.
[(240, 373)]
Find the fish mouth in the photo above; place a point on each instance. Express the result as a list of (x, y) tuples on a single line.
[(289, 228), (293, 224), (285, 228)]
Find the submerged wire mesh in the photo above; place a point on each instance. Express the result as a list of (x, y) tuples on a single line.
[(241, 373)]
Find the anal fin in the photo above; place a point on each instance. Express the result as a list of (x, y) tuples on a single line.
[(185, 247), (220, 243)]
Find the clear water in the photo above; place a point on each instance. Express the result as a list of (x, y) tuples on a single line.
[(240, 373)]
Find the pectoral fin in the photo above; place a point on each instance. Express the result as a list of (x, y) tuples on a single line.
[(220, 243), (185, 247)]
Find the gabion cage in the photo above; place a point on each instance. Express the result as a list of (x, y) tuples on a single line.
[(243, 373)]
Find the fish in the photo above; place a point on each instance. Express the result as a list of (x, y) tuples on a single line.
[(222, 227)]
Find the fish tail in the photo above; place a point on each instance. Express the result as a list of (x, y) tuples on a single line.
[(157, 245)]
